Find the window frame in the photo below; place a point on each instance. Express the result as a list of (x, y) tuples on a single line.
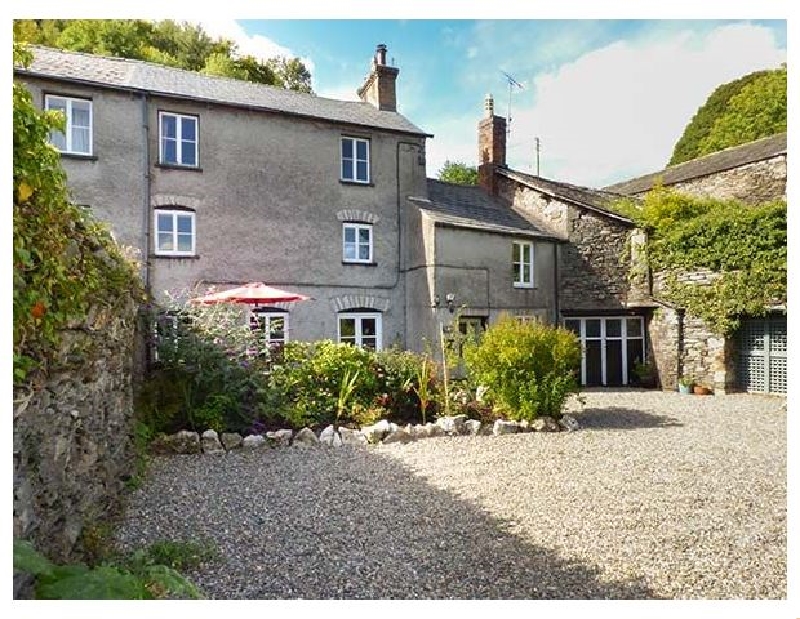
[(354, 159), (601, 337), (160, 328), (268, 315), (359, 317), (521, 282), (68, 126), (175, 214), (179, 116), (358, 226)]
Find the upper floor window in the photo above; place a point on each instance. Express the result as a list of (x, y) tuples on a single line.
[(175, 233), (177, 139), (77, 136), (360, 329), (357, 242), (355, 160), (522, 258)]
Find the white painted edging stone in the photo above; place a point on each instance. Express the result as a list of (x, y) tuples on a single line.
[(383, 432)]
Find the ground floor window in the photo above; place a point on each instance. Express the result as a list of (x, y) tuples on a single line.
[(272, 324), (362, 329), (611, 347)]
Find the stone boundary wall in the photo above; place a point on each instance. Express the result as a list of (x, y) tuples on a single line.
[(73, 433)]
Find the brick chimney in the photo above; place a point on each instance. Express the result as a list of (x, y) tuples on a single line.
[(379, 85), (491, 146)]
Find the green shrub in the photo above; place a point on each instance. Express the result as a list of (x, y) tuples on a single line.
[(65, 262), (139, 577), (529, 368), (179, 555), (399, 383), (310, 378)]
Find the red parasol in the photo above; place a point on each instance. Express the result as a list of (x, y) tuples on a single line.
[(255, 293)]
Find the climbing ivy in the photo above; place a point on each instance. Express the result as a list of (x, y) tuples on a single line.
[(744, 246), (64, 261)]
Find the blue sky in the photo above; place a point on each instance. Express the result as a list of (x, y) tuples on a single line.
[(608, 99)]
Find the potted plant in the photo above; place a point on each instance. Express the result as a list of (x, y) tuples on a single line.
[(644, 375), (701, 390), (685, 384)]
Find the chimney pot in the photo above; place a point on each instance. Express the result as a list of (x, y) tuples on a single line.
[(381, 53), (491, 146), (379, 86), (489, 105)]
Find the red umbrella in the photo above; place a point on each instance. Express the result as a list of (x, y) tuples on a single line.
[(255, 293)]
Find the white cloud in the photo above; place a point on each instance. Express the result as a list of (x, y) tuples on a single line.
[(250, 44), (616, 112)]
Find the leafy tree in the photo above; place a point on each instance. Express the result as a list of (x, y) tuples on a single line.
[(458, 172), (758, 110), (176, 44), (728, 118)]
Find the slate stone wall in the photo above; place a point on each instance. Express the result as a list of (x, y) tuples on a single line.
[(73, 433), (594, 265), (760, 181)]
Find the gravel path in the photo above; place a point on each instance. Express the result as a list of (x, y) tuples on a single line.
[(657, 496)]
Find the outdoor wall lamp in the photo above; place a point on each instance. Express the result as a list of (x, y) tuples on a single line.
[(450, 300)]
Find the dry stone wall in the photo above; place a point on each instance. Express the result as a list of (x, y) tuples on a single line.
[(73, 446)]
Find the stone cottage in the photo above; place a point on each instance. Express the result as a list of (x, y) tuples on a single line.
[(580, 247), (219, 182), (754, 358)]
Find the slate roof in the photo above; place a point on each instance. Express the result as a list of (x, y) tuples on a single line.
[(597, 200), (470, 207), (732, 157), (158, 79)]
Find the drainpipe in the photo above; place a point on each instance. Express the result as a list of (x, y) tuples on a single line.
[(400, 261), (679, 362), (146, 196), (556, 258)]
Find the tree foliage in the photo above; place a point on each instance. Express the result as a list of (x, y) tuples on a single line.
[(176, 44), (65, 262), (744, 246), (458, 172), (746, 109)]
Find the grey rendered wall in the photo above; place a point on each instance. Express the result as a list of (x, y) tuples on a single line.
[(270, 206), (419, 281), (476, 267), (268, 203)]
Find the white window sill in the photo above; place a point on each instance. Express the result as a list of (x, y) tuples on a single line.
[(524, 286)]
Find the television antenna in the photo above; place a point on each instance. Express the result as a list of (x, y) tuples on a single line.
[(512, 83)]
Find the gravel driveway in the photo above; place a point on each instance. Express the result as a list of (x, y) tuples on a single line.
[(657, 496)]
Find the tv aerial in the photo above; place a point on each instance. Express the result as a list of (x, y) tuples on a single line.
[(512, 83)]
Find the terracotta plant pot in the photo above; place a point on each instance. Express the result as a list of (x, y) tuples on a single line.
[(700, 390)]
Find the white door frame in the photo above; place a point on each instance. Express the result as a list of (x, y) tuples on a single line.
[(623, 337)]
